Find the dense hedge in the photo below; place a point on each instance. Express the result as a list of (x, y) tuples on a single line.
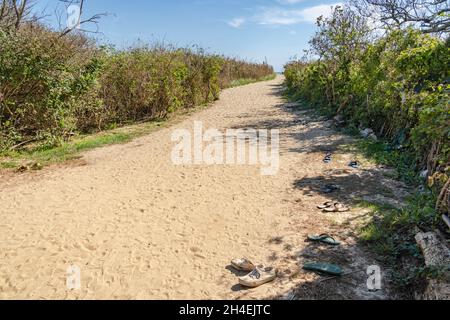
[(52, 87), (397, 85)]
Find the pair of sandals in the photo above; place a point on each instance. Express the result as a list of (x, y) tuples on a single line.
[(258, 274), (324, 268), (333, 207)]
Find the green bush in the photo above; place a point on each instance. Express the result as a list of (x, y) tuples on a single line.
[(234, 69), (397, 85), (52, 87), (42, 78)]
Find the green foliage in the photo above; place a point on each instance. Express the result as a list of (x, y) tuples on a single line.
[(383, 153), (392, 235), (234, 69), (53, 87), (242, 82), (42, 78), (396, 85)]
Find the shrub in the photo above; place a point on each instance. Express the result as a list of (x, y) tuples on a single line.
[(42, 78), (396, 85), (54, 86)]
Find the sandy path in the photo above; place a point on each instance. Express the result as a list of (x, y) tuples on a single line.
[(141, 228)]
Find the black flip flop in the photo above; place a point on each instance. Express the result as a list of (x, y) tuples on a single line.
[(354, 164)]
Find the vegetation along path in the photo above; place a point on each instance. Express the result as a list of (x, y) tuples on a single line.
[(139, 227)]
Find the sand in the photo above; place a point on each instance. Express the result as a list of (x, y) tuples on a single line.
[(139, 227)]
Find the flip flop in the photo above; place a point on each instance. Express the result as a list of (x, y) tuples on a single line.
[(337, 207), (258, 277), (324, 268), (354, 164), (243, 265), (324, 238), (327, 159), (326, 205)]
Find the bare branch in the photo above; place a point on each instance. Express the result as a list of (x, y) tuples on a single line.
[(14, 13), (431, 16), (93, 20)]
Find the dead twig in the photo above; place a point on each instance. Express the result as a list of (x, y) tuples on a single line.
[(22, 144)]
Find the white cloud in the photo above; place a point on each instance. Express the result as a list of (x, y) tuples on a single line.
[(311, 14), (289, 1), (281, 16), (236, 22)]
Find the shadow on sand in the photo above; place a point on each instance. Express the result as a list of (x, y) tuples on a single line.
[(367, 184)]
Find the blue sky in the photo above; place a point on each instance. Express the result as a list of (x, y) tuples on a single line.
[(250, 29)]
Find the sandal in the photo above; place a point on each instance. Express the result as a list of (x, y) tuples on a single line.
[(328, 158), (326, 205), (324, 238), (258, 277), (354, 164), (337, 207), (324, 268), (243, 265)]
